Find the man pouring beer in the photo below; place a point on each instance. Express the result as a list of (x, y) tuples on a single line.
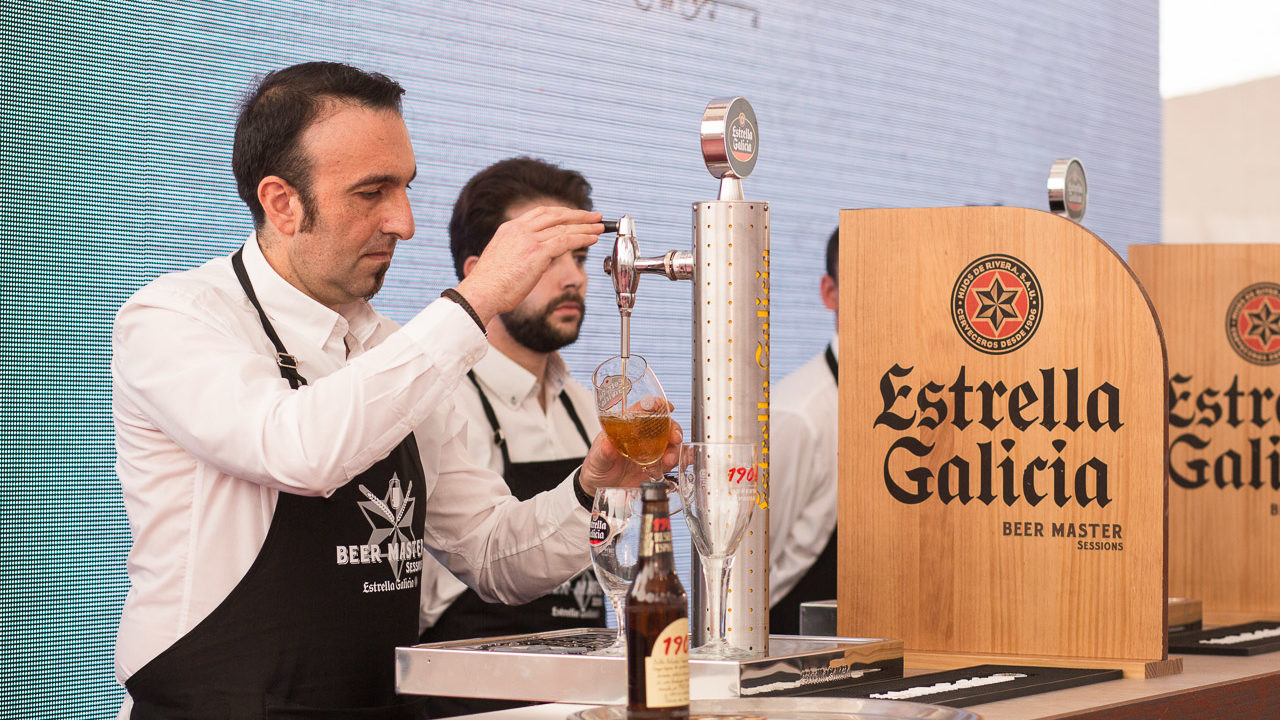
[(286, 453)]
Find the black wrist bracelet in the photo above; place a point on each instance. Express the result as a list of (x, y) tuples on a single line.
[(584, 499), (456, 296)]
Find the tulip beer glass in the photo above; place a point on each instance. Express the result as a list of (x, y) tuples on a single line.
[(614, 537), (718, 485), (633, 409)]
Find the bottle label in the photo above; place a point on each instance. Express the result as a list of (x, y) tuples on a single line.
[(666, 670), (658, 539)]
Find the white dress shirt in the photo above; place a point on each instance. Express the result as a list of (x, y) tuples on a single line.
[(532, 434), (803, 438), (207, 434)]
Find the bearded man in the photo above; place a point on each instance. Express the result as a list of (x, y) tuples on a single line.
[(528, 420)]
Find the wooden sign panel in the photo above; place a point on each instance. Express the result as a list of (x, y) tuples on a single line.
[(1002, 440), (1220, 309)]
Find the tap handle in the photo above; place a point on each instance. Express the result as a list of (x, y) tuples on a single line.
[(610, 226), (621, 266)]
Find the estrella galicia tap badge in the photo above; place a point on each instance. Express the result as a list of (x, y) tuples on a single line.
[(391, 540), (742, 138), (1253, 323), (1075, 191), (996, 304)]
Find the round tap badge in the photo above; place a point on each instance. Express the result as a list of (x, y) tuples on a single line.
[(730, 137), (1068, 189), (996, 304), (1253, 323)]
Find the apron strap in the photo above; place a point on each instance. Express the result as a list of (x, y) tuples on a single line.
[(573, 415), (498, 438), (287, 363), (501, 440), (831, 363)]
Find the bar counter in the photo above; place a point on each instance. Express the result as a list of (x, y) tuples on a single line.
[(1209, 688)]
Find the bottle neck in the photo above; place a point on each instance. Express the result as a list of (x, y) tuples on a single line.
[(655, 534)]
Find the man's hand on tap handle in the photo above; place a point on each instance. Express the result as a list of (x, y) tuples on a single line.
[(520, 251)]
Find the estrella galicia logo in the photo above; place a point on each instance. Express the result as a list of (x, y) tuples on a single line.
[(598, 530), (742, 138), (1253, 323), (996, 304)]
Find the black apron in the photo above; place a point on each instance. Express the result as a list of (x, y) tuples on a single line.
[(819, 583), (310, 631), (576, 603)]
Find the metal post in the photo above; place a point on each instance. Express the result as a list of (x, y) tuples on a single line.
[(729, 267)]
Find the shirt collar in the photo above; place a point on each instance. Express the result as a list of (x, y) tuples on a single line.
[(835, 346), (511, 383), (289, 307)]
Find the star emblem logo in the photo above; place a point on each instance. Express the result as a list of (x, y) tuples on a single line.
[(390, 516), (1264, 324), (1253, 323), (995, 305)]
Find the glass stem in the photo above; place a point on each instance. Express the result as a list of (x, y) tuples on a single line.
[(716, 577), (620, 612)]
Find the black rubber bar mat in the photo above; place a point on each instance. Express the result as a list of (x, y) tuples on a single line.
[(1252, 638), (976, 685)]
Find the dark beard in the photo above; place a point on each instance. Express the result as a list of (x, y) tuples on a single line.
[(535, 331)]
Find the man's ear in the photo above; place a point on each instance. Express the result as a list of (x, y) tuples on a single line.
[(469, 264), (281, 204), (830, 293)]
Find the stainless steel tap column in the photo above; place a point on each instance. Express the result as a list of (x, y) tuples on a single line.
[(731, 352), (729, 267)]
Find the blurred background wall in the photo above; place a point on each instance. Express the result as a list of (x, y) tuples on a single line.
[(1221, 149), (117, 127)]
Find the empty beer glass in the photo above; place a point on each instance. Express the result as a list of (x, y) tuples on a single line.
[(614, 537), (718, 485)]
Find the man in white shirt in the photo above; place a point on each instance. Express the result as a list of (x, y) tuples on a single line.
[(527, 418), (287, 454), (802, 472)]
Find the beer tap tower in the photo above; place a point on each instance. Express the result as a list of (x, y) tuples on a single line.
[(729, 268)]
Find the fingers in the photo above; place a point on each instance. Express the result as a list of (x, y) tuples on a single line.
[(651, 404), (562, 229), (671, 457), (561, 239), (545, 216)]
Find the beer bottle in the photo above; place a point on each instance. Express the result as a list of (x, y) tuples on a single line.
[(657, 621)]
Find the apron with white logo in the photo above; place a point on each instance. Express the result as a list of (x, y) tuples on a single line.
[(311, 629)]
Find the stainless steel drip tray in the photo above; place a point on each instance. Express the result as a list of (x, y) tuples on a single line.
[(796, 709), (555, 667)]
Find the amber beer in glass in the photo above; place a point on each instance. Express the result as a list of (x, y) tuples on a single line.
[(657, 621), (642, 437), (633, 410)]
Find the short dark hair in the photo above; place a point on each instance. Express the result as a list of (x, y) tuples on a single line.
[(833, 254), (283, 105), (482, 205)]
